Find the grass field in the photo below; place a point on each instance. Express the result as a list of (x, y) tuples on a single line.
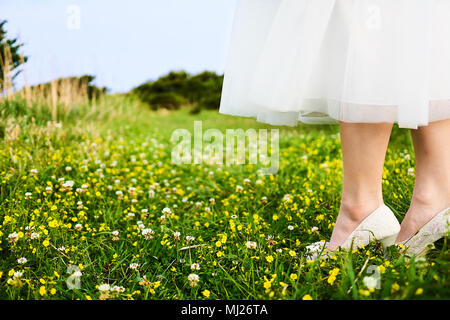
[(94, 198)]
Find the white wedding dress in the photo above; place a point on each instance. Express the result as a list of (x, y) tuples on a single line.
[(324, 61)]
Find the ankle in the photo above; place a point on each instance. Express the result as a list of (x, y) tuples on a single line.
[(431, 197), (357, 211)]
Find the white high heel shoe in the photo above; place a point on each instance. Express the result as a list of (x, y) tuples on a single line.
[(381, 225), (431, 232)]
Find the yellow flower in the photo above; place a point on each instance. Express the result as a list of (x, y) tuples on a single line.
[(218, 244), (267, 284), (333, 275), (219, 254), (292, 253), (364, 292), (53, 291), (307, 297), (293, 276), (206, 293), (269, 259), (42, 291), (382, 268), (46, 243), (419, 291)]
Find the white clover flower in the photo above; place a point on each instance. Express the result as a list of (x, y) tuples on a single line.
[(251, 245), (239, 189), (287, 197), (177, 235), (118, 289), (34, 236), (49, 189), (17, 274), (148, 233), (33, 171), (28, 195), (370, 282), (195, 266), (68, 168), (190, 238), (13, 237), (104, 287), (290, 227), (68, 184), (314, 229), (22, 260), (134, 266), (315, 249), (62, 248), (140, 225), (78, 226), (193, 279), (115, 233), (166, 211)]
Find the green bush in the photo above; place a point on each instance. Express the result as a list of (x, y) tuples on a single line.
[(178, 89), (166, 100)]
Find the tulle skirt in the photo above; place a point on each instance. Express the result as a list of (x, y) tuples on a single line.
[(324, 61)]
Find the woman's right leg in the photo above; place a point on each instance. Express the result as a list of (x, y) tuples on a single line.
[(363, 152)]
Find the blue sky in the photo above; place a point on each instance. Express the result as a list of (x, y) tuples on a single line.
[(123, 43)]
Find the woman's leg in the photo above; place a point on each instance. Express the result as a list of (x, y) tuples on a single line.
[(431, 192), (363, 151)]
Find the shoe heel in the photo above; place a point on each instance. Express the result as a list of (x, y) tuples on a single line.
[(388, 241)]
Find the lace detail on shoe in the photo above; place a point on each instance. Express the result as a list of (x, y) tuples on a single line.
[(431, 232)]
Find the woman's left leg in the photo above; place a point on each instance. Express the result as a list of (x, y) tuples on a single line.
[(431, 192)]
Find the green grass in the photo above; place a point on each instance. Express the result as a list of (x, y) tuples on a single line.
[(127, 148)]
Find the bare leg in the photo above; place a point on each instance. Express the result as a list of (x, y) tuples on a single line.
[(363, 149), (431, 192)]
